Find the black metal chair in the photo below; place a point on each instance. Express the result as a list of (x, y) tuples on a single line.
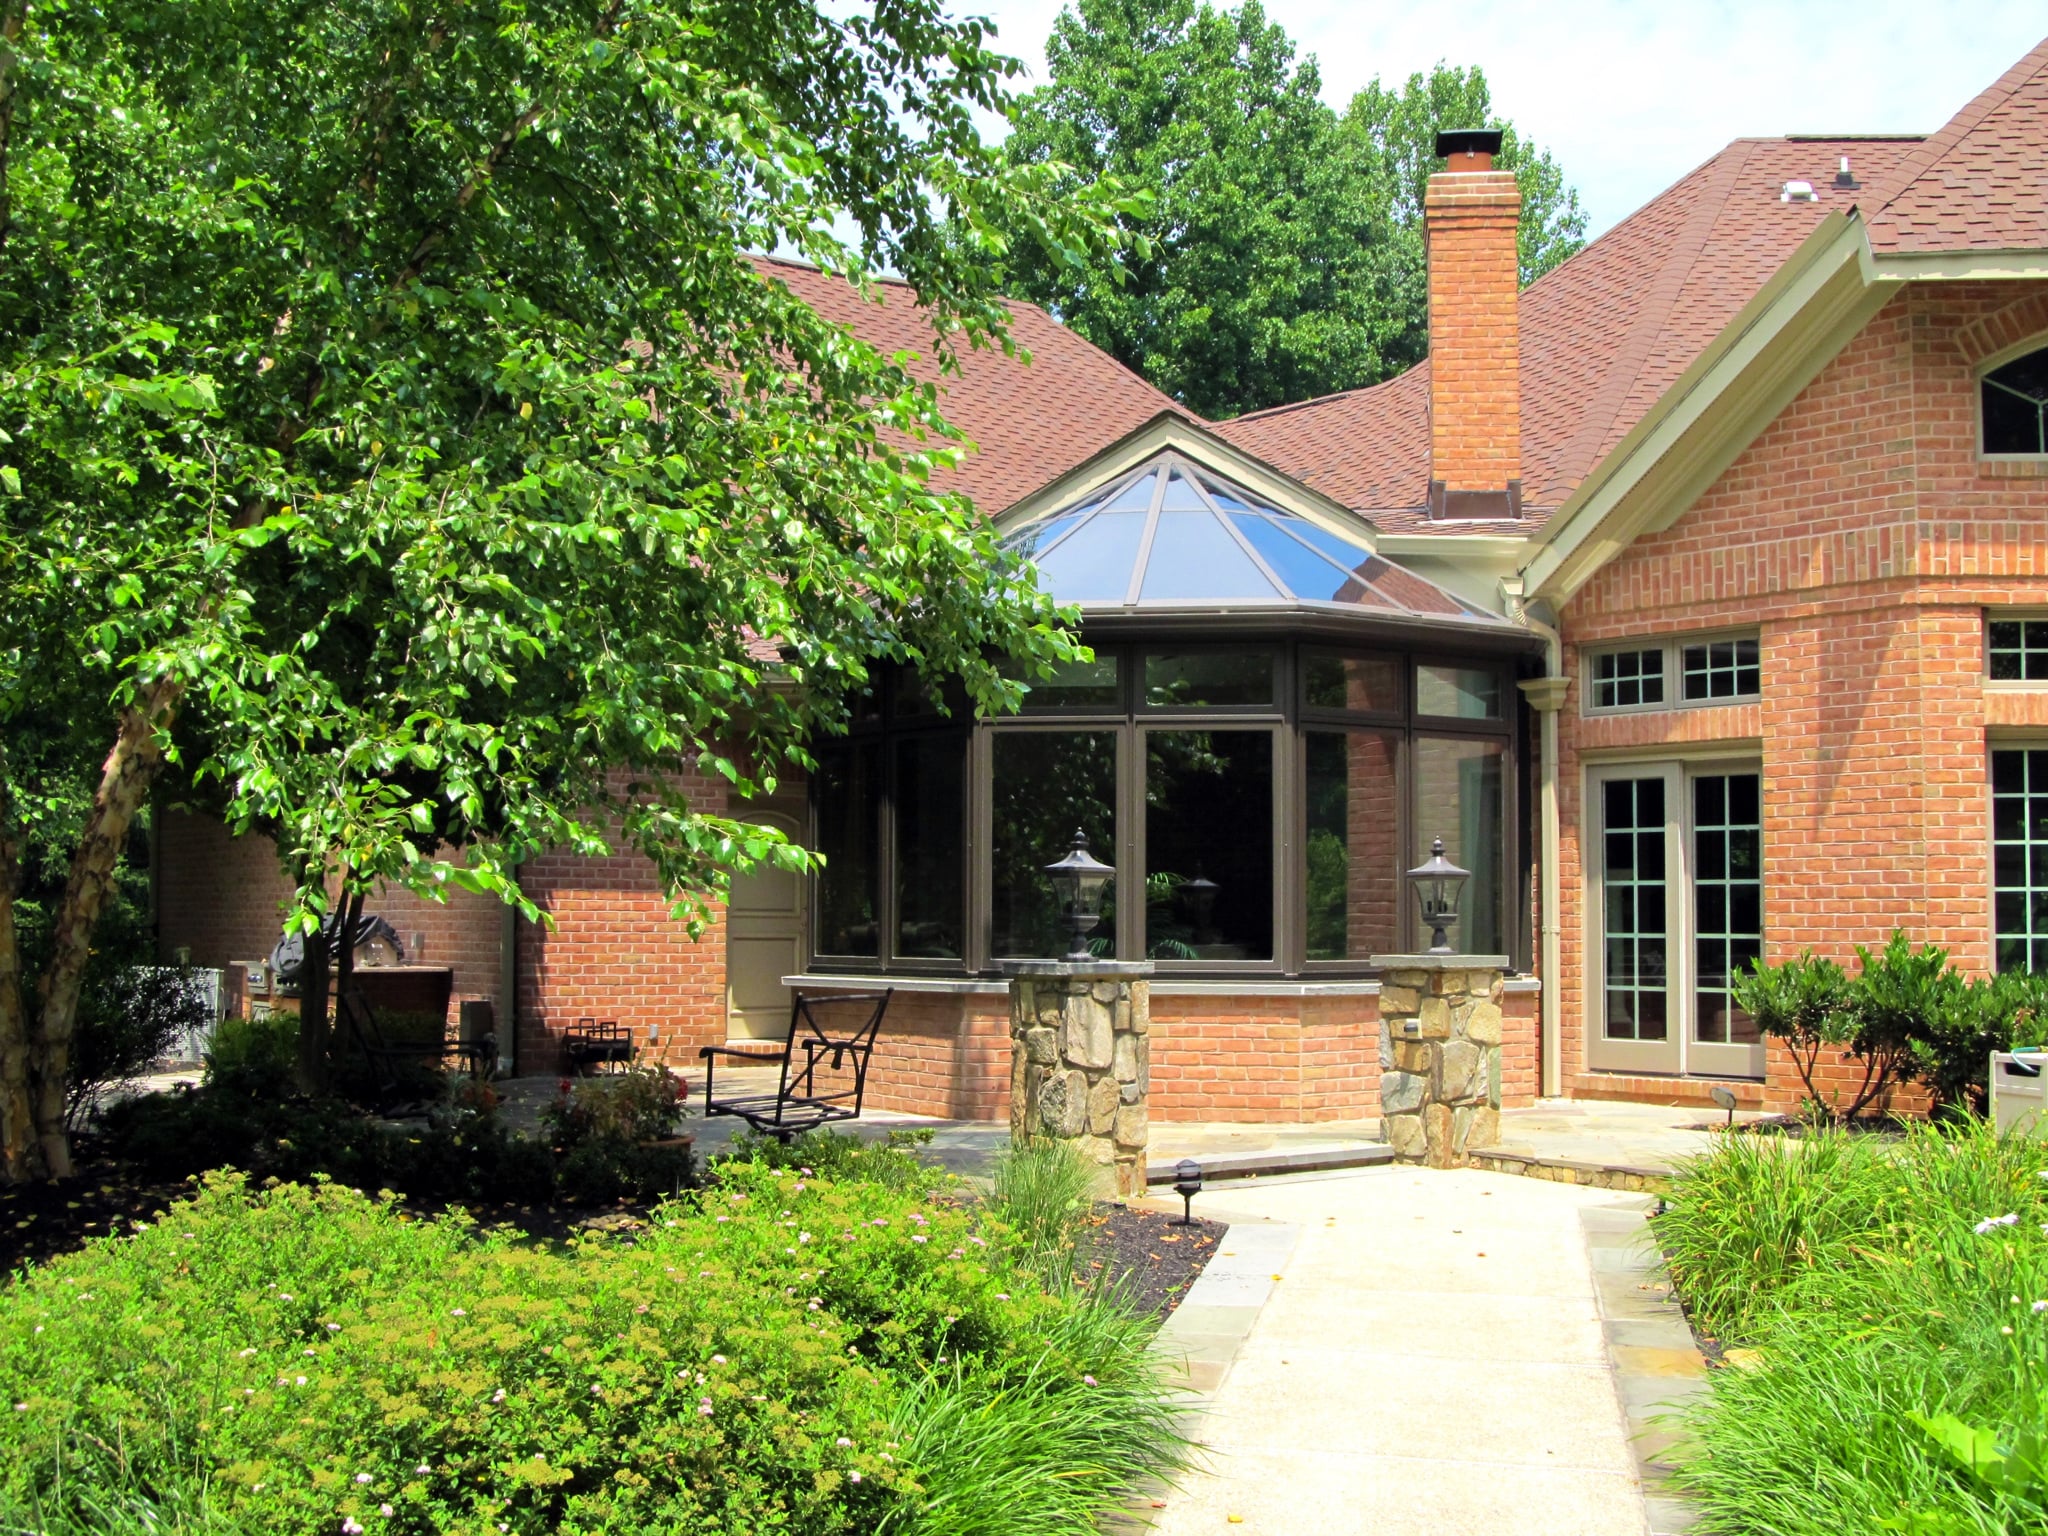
[(359, 1017), (594, 1043), (800, 1103)]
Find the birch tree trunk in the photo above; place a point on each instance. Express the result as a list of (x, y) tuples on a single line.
[(130, 768)]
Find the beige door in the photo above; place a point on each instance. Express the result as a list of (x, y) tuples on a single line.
[(764, 942)]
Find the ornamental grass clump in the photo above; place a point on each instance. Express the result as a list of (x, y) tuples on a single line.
[(305, 1359), (1042, 1190), (1895, 1296)]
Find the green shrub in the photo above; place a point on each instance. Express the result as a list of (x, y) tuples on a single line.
[(254, 1056), (891, 1162), (1041, 1191), (1907, 1015), (639, 1104), (776, 1355), (1886, 1286)]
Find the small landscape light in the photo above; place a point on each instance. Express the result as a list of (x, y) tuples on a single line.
[(1726, 1099), (1187, 1183)]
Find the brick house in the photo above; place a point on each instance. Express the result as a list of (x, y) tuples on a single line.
[(1697, 595)]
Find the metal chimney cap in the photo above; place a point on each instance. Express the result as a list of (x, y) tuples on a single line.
[(1468, 141)]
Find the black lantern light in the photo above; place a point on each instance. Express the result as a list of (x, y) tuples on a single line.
[(1078, 880), (1187, 1183), (1438, 885)]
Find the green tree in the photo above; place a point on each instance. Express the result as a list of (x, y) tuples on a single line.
[(1390, 137), (401, 441), (1284, 251)]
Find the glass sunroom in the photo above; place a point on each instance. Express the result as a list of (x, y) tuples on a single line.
[(1276, 722)]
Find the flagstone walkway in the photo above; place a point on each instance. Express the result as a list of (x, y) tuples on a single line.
[(1427, 1356)]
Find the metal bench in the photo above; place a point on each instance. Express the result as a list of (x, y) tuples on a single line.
[(597, 1043), (801, 1102)]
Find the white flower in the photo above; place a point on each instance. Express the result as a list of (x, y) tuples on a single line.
[(1090, 1380), (334, 1327), (351, 1526), (1002, 1295), (302, 1381), (459, 1312), (2041, 1306), (853, 1477), (498, 1396), (1991, 1223), (245, 1354), (363, 1477), (844, 1441), (422, 1469), (386, 1511), (21, 1407), (703, 1410), (718, 1359), (284, 1295), (803, 1237), (919, 1237)]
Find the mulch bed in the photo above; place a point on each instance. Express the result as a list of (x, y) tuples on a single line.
[(1148, 1254)]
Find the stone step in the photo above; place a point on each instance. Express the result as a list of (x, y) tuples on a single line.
[(1254, 1165)]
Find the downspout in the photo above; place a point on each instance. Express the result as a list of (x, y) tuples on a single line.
[(1546, 696)]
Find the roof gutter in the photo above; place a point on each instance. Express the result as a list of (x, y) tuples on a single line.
[(1808, 310)]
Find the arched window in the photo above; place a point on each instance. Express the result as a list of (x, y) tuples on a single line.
[(2015, 403)]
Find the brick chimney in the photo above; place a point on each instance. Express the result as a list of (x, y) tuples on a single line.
[(1470, 215)]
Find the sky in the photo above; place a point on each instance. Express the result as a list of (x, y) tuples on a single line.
[(1629, 95)]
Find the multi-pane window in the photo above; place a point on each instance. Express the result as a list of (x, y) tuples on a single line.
[(1677, 900), (1628, 679), (2015, 405), (1675, 674), (2019, 857), (1636, 916), (1721, 669), (1727, 899), (2018, 650)]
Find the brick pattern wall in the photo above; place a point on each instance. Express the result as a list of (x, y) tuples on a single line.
[(223, 898), (1862, 534), (1475, 434)]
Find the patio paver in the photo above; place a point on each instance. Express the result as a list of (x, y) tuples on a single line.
[(1430, 1358)]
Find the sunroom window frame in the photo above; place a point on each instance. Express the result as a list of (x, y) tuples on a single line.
[(1982, 377), (2021, 615)]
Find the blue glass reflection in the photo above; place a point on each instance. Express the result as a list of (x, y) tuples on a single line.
[(1195, 559), (1094, 566)]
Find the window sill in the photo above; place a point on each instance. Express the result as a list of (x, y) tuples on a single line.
[(2016, 467)]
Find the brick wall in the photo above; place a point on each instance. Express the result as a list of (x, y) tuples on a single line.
[(1863, 536), (223, 899)]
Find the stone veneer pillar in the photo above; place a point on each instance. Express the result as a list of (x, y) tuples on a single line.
[(1080, 1062), (1440, 1029)]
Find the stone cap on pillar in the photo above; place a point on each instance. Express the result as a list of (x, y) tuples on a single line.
[(1439, 962), (1104, 970)]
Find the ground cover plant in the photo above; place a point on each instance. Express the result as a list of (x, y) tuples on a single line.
[(1889, 1300), (780, 1352)]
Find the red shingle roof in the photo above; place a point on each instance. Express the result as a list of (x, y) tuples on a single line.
[(1980, 183), (1603, 336), (1031, 424)]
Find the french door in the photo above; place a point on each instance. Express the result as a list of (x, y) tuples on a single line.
[(1674, 865)]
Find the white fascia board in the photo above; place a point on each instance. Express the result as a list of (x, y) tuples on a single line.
[(1170, 431), (1963, 266), (1809, 310)]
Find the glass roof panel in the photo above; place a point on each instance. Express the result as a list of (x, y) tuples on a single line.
[(1030, 541), (1181, 496), (1094, 566), (1306, 573), (1194, 559), (1138, 495), (1090, 550)]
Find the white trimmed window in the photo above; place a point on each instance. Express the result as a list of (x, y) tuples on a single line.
[(1674, 674)]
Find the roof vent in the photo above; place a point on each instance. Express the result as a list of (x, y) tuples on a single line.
[(1798, 192), (1844, 180)]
